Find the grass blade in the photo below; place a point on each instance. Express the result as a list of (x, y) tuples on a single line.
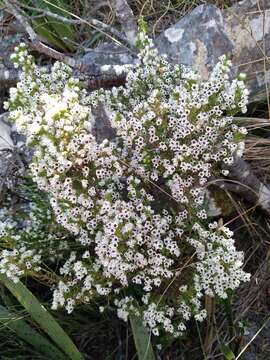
[(42, 317), (43, 28), (63, 32), (54, 32), (142, 339), (227, 352), (29, 335)]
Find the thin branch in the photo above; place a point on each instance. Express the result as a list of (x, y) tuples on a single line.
[(95, 77), (36, 44), (22, 20), (249, 185), (126, 18), (92, 76), (97, 24), (104, 81)]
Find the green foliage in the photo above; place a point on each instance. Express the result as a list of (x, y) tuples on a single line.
[(142, 339), (142, 25), (22, 329), (42, 317), (55, 32), (227, 352)]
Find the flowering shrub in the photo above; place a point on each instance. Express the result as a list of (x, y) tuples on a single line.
[(136, 206)]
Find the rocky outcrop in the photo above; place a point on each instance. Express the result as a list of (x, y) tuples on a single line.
[(241, 31)]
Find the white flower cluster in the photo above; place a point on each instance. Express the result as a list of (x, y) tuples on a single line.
[(136, 205), (219, 266), (28, 236)]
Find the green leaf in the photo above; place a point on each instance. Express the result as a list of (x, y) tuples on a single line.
[(42, 317), (29, 335), (43, 29), (142, 339), (142, 24), (54, 31), (227, 352), (60, 29)]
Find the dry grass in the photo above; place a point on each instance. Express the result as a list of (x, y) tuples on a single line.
[(159, 14)]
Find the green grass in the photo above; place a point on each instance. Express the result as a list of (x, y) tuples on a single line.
[(42, 318)]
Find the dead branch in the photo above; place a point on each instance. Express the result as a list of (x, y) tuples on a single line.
[(92, 76), (126, 19), (103, 81), (247, 184)]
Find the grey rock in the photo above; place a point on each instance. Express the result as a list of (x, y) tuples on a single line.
[(199, 35), (6, 142), (102, 129), (8, 75), (6, 150), (242, 32), (11, 162), (108, 54), (8, 43)]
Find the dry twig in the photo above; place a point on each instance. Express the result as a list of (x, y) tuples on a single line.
[(247, 184)]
